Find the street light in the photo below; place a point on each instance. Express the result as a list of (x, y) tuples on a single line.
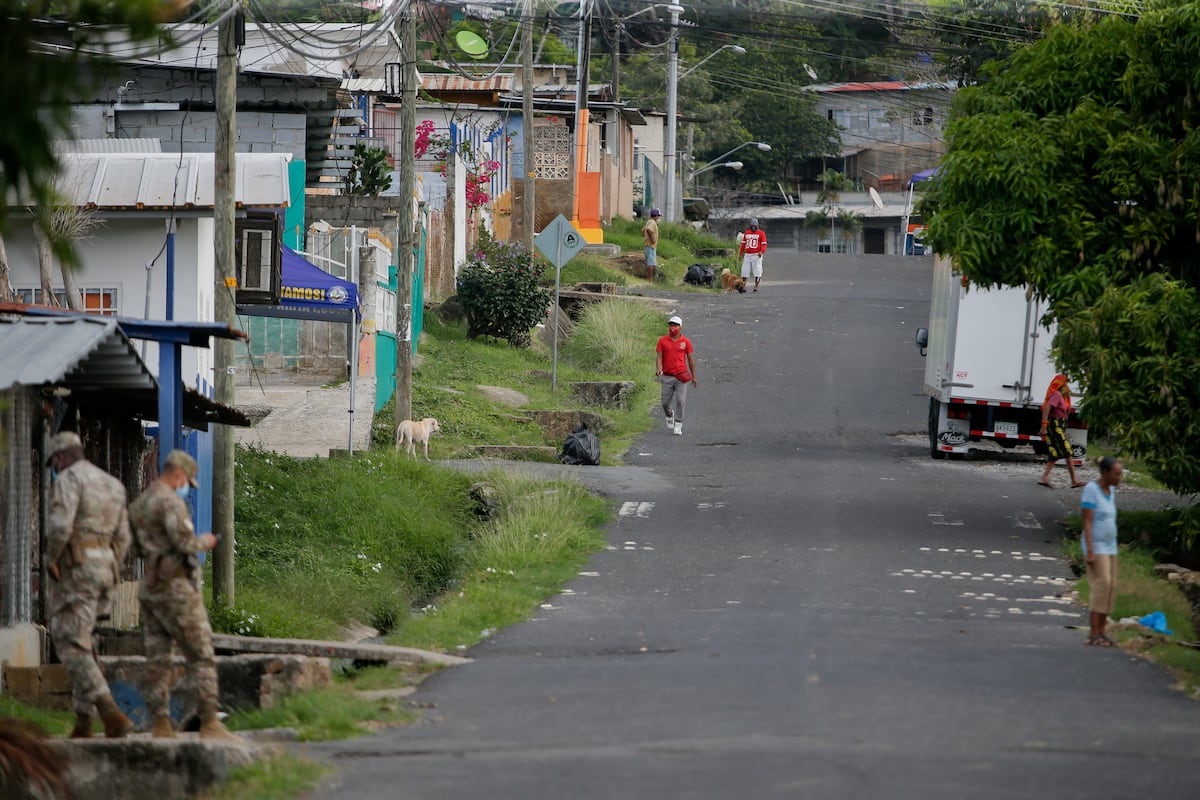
[(716, 162), (669, 155), (730, 164), (736, 48)]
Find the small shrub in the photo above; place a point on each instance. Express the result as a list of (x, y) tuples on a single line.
[(500, 289)]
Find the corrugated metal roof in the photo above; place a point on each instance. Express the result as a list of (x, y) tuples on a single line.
[(457, 83), (877, 86), (364, 85), (108, 146), (91, 356), (83, 352), (134, 181)]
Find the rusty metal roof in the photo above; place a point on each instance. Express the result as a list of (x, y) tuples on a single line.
[(457, 83), (136, 181)]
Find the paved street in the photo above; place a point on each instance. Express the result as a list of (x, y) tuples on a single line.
[(796, 601)]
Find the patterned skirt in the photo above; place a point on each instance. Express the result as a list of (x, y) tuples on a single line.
[(1056, 439)]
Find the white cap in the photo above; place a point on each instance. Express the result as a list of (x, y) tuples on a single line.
[(675, 321)]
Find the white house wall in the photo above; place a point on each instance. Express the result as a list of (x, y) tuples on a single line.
[(115, 256)]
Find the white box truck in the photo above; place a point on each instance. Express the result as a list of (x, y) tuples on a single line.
[(987, 368)]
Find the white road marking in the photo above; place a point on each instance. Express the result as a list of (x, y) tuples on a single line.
[(1026, 519), (634, 509)]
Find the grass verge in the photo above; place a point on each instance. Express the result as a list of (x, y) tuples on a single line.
[(543, 535), (272, 779), (1141, 592)]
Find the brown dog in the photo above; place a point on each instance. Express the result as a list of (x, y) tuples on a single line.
[(409, 434), (730, 282)]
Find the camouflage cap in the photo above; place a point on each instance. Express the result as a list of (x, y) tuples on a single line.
[(66, 440), (181, 460)]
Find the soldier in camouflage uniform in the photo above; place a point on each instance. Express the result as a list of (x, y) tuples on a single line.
[(87, 537), (172, 606)]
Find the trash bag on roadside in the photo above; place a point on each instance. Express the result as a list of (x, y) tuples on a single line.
[(701, 275), (1156, 621), (581, 447)]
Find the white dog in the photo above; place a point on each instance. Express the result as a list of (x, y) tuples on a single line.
[(410, 433)]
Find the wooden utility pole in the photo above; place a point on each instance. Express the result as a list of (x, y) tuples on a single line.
[(225, 199), (405, 222), (528, 193)]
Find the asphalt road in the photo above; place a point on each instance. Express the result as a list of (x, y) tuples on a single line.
[(796, 601)]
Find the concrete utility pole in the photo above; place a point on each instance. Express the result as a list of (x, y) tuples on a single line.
[(405, 223), (225, 189), (528, 195), (669, 151)]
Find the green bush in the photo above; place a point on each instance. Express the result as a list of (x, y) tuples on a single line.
[(500, 289)]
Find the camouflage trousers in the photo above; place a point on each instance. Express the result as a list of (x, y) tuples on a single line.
[(173, 615), (84, 593)]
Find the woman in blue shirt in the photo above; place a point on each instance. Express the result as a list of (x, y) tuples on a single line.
[(1099, 509)]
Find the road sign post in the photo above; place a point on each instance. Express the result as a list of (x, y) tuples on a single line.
[(559, 242)]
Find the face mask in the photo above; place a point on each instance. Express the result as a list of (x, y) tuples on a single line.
[(183, 491), (53, 475)]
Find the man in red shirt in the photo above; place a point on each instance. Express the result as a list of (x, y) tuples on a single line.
[(676, 369), (752, 246)]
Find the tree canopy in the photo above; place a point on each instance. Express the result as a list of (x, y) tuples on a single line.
[(1075, 170), (43, 45)]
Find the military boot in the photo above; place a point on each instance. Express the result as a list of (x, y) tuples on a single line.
[(83, 727), (163, 729), (212, 728), (116, 724)]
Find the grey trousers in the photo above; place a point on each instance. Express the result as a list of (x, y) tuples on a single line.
[(674, 394)]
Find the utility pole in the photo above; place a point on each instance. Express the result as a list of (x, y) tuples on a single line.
[(528, 194), (225, 189), (405, 223), (669, 151)]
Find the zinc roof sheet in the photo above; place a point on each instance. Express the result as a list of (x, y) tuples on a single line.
[(135, 181), (82, 352)]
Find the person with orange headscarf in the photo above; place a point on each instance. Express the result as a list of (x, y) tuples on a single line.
[(1055, 410)]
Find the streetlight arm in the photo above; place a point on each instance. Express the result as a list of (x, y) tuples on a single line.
[(730, 164), (737, 48), (760, 145)]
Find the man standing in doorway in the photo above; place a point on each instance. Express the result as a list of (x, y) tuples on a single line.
[(676, 369), (752, 246), (650, 242), (87, 536)]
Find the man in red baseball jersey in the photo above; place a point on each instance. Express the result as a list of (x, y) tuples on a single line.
[(752, 246)]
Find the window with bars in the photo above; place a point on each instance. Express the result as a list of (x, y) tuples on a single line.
[(98, 300)]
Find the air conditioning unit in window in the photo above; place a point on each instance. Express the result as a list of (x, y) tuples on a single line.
[(258, 257)]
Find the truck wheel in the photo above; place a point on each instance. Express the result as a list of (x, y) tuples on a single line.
[(934, 408)]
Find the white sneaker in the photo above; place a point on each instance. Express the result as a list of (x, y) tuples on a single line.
[(679, 429), (670, 423)]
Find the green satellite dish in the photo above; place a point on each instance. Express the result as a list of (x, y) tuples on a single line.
[(471, 43)]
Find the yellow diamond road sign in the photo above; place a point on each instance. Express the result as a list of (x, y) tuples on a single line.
[(559, 241)]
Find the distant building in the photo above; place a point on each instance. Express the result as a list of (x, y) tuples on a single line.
[(889, 130)]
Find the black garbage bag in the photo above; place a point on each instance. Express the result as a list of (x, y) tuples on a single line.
[(700, 275), (582, 447)]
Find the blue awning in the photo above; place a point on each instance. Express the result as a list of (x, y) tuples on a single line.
[(923, 175), (308, 286)]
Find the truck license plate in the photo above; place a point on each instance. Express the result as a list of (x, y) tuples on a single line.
[(1007, 428)]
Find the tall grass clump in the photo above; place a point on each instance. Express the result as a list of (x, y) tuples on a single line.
[(589, 269), (617, 337), (322, 544)]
